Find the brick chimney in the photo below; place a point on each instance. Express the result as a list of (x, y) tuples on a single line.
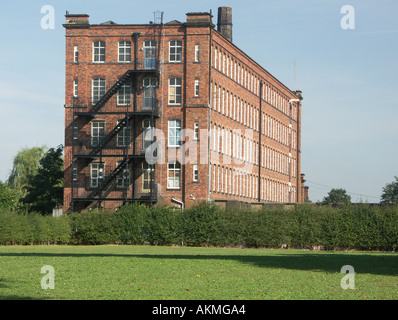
[(224, 25), (76, 20), (199, 19)]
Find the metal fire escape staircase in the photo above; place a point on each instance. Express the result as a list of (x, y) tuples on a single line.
[(104, 183), (95, 196), (103, 142), (113, 90)]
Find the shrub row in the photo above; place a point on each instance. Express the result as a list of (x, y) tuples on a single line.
[(24, 229), (360, 227)]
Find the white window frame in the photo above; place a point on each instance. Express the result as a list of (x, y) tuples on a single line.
[(122, 179), (75, 88), (196, 131), (74, 171), (146, 125), (174, 133), (175, 91), (197, 53), (123, 137), (99, 51), (197, 87), (195, 173), (124, 51), (97, 173), (124, 95), (76, 54), (97, 132), (75, 128), (175, 51), (98, 89), (147, 170), (149, 87), (174, 175)]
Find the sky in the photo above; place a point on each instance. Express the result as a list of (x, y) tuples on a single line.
[(348, 77)]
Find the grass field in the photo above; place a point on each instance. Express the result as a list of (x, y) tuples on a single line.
[(184, 273)]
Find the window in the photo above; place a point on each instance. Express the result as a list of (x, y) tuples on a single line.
[(175, 51), (196, 131), (173, 175), (75, 130), (97, 132), (146, 138), (149, 93), (99, 51), (97, 174), (150, 54), (123, 178), (195, 177), (75, 88), (98, 88), (196, 88), (174, 133), (123, 138), (124, 95), (175, 87), (147, 177), (74, 171), (197, 53), (75, 54), (124, 51)]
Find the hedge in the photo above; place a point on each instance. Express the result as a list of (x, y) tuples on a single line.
[(359, 227), (33, 228)]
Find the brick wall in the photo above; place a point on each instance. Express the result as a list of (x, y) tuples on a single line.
[(266, 182)]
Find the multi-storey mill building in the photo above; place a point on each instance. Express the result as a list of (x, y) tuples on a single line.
[(224, 127)]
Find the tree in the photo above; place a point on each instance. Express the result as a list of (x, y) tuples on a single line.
[(390, 193), (9, 197), (45, 188), (25, 164), (337, 196)]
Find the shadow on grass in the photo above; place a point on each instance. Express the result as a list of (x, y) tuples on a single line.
[(4, 285), (377, 263)]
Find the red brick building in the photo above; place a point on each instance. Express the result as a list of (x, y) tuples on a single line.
[(218, 126)]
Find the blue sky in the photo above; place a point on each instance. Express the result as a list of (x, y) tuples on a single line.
[(348, 77)]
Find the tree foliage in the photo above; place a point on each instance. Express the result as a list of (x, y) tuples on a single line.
[(9, 197), (25, 164), (390, 193), (337, 196), (45, 188)]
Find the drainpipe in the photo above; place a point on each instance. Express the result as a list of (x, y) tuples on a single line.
[(259, 142), (178, 202)]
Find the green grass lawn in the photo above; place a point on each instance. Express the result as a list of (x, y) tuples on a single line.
[(184, 273)]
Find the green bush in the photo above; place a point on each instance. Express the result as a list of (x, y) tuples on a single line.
[(94, 227), (163, 226), (129, 221), (200, 224), (24, 229), (360, 227)]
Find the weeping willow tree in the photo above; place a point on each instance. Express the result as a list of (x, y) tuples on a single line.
[(25, 164)]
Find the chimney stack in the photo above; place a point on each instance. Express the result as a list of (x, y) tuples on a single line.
[(224, 25)]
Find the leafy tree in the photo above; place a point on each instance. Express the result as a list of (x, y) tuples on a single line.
[(9, 197), (25, 164), (337, 196), (390, 193), (45, 188)]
